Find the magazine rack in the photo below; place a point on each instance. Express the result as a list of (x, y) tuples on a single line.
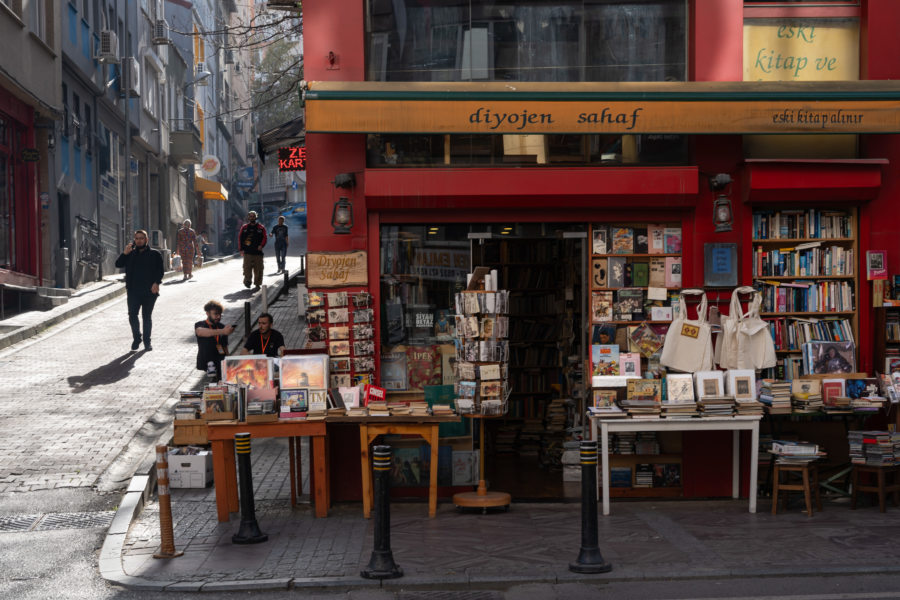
[(481, 498)]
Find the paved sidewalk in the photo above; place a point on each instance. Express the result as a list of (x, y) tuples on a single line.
[(531, 543)]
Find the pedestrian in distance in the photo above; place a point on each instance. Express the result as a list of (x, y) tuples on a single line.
[(264, 339), (205, 245), (280, 233), (143, 273), (212, 339), (252, 239), (188, 248)]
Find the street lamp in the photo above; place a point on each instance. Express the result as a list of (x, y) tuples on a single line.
[(200, 79)]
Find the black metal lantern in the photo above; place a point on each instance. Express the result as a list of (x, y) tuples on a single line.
[(342, 216)]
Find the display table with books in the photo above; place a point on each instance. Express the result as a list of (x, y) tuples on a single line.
[(735, 424), (221, 437), (370, 428)]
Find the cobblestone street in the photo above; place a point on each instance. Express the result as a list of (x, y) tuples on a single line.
[(75, 396)]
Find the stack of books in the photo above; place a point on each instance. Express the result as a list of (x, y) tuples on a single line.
[(556, 415), (838, 405), (867, 404), (806, 403), (315, 415), (378, 408), (642, 409), (716, 406), (776, 396), (336, 412), (643, 476), (357, 411), (607, 412), (398, 409), (875, 448), (683, 410), (791, 452), (623, 443), (418, 409), (645, 442), (442, 410), (747, 407)]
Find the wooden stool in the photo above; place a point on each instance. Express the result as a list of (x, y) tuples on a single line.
[(881, 486), (809, 475)]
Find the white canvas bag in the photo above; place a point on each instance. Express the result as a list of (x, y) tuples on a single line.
[(688, 344), (755, 346), (727, 344)]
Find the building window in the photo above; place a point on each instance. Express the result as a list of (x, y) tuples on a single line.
[(150, 88), (37, 18), (14, 5), (462, 40)]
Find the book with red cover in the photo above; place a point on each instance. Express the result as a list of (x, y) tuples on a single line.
[(373, 393), (831, 389), (423, 365)]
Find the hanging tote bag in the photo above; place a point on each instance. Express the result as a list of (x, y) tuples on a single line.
[(688, 345), (727, 344), (755, 346)]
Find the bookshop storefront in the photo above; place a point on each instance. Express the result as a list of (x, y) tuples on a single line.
[(467, 175)]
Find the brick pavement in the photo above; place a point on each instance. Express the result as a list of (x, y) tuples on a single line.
[(75, 395)]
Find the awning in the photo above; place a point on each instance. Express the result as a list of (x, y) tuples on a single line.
[(212, 190), (290, 133), (607, 108)]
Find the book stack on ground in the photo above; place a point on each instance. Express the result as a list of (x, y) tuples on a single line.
[(776, 396), (790, 452), (682, 410), (643, 476), (716, 406), (747, 407), (556, 415)]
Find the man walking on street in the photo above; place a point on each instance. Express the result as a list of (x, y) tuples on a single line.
[(143, 273), (280, 233), (252, 240)]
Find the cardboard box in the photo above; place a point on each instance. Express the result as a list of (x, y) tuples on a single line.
[(190, 432), (190, 470), (217, 416)]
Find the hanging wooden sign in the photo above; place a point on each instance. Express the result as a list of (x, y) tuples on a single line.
[(336, 269)]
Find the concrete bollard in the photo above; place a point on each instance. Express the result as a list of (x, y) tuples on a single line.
[(249, 532), (589, 559), (167, 535), (381, 564)]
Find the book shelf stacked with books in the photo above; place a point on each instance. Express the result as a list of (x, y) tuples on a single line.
[(804, 265)]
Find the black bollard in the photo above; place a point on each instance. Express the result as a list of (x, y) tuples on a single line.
[(589, 559), (249, 532), (246, 318), (381, 564)]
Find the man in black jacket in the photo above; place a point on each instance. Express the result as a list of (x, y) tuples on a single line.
[(252, 239), (143, 273)]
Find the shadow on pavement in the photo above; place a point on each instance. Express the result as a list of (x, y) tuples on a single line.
[(243, 294), (115, 370)]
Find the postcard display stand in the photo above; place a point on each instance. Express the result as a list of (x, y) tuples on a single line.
[(482, 354), (344, 323)]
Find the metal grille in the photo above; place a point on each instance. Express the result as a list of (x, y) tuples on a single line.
[(18, 523), (86, 520)]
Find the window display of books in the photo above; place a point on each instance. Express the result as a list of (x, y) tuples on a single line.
[(482, 350)]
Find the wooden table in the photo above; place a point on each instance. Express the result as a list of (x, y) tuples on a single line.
[(735, 424), (371, 427), (221, 436)]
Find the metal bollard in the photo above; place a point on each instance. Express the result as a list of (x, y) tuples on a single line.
[(589, 559), (265, 298), (287, 279), (247, 319), (249, 532), (381, 564), (167, 536)]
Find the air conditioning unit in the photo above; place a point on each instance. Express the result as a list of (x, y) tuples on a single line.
[(156, 239), (109, 47), (160, 33), (134, 76), (251, 150)]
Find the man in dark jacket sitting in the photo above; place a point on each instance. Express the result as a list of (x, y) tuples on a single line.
[(143, 273)]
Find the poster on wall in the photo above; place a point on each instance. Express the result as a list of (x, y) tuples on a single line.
[(336, 269)]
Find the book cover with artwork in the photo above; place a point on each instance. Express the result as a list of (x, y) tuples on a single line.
[(604, 359), (616, 273), (393, 371), (672, 236), (673, 271), (832, 357), (600, 239), (622, 240), (629, 304), (679, 388), (709, 383), (656, 239), (831, 390), (645, 389), (603, 334), (640, 274), (601, 306), (861, 388), (647, 341), (641, 243), (423, 366), (630, 364), (604, 398), (598, 273), (876, 265), (657, 275)]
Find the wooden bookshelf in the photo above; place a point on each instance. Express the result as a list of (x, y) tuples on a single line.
[(805, 261)]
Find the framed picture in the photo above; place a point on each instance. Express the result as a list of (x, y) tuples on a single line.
[(294, 400), (720, 265), (254, 370), (876, 265), (304, 371)]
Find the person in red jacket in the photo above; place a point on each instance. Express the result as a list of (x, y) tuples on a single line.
[(252, 239)]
